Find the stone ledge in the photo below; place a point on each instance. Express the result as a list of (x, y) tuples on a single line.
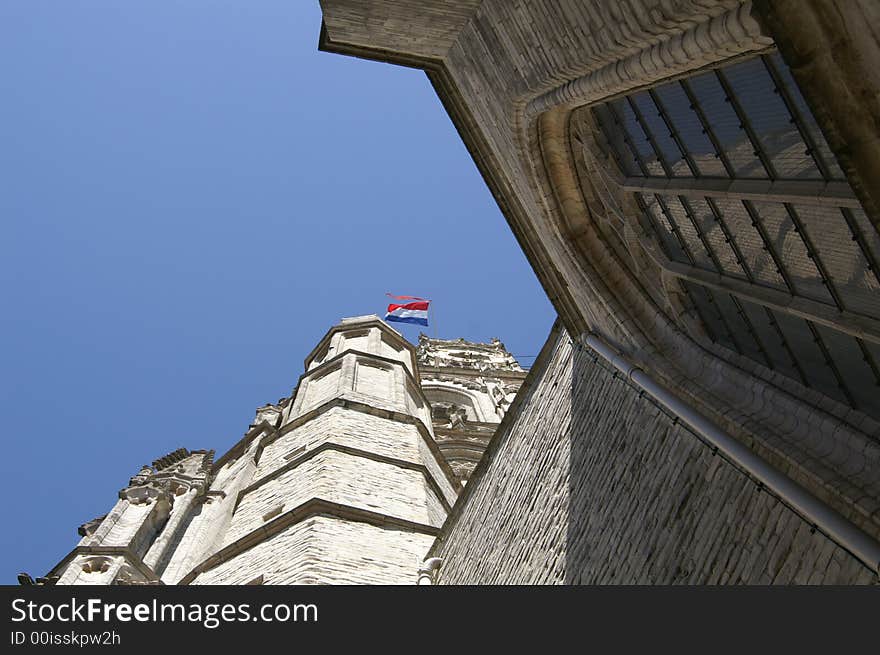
[(357, 452), (313, 507)]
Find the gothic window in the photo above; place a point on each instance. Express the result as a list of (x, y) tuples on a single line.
[(734, 178), (450, 405)]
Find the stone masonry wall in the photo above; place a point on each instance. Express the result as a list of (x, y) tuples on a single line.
[(341, 478), (593, 483), (325, 549), (348, 428)]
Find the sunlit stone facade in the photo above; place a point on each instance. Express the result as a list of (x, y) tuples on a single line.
[(347, 481)]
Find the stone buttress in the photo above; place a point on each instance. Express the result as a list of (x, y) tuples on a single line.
[(137, 537)]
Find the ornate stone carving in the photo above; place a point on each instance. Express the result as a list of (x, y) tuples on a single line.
[(144, 494), (458, 353), (97, 564), (142, 476)]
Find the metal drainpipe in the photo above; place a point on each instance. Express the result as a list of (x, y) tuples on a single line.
[(427, 570), (824, 517)]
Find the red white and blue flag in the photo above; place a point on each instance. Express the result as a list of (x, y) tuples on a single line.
[(413, 311)]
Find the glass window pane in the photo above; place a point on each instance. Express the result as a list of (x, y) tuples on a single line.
[(690, 130), (769, 118), (660, 132), (762, 323), (614, 133), (799, 337), (857, 374), (726, 126), (810, 124), (709, 314), (755, 256), (659, 223), (677, 215), (713, 233), (789, 246), (841, 257), (637, 137), (739, 325)]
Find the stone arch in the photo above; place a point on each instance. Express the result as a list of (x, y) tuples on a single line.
[(448, 400)]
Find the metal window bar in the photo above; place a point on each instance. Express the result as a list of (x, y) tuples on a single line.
[(674, 134), (729, 239), (750, 328), (699, 232), (673, 226), (667, 170), (701, 235), (752, 331), (702, 318), (832, 291), (766, 162), (649, 216), (684, 286), (628, 140), (783, 341), (606, 130), (859, 238), (689, 213), (730, 97), (723, 320), (707, 127), (768, 245), (728, 235), (813, 255), (745, 124), (869, 360), (756, 221), (829, 362), (796, 118)]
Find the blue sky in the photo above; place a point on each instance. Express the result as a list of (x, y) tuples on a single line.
[(190, 196)]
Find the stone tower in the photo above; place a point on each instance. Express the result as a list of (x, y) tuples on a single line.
[(470, 387), (347, 481)]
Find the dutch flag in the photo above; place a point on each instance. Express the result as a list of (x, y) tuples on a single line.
[(414, 311)]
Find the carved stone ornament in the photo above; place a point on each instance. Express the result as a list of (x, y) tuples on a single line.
[(97, 564), (142, 494), (142, 476)]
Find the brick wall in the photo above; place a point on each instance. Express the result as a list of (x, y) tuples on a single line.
[(593, 483)]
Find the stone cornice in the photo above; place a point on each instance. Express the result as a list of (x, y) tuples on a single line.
[(357, 452)]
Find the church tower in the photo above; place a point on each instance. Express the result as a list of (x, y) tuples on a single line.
[(348, 481), (470, 387)]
